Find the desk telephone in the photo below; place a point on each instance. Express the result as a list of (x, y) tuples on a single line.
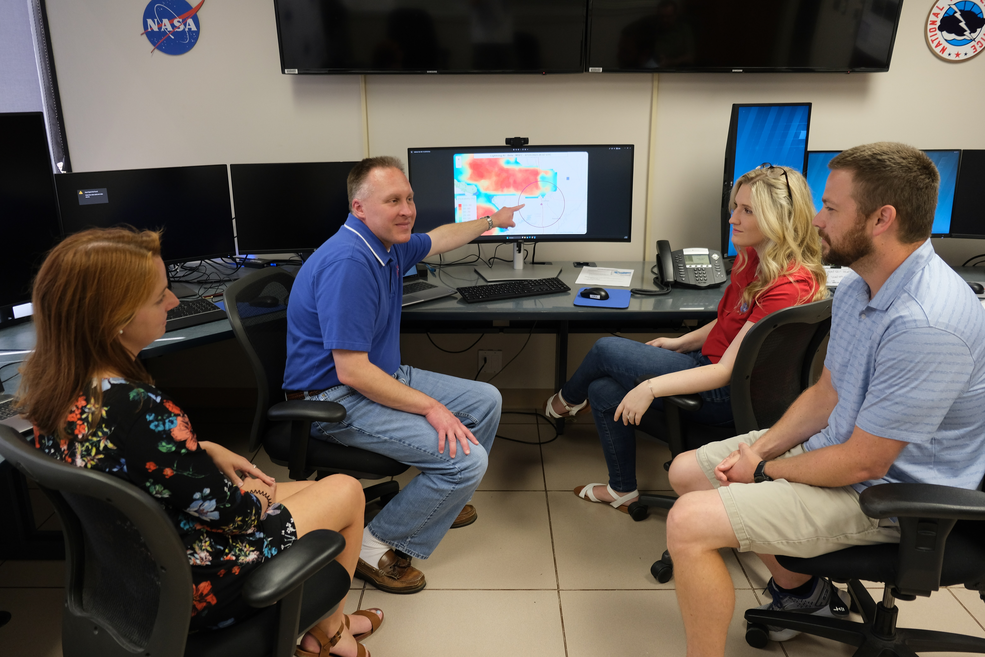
[(694, 267)]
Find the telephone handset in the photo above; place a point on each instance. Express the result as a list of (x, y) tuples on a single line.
[(693, 267)]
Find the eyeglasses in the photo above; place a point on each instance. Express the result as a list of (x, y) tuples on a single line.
[(769, 168)]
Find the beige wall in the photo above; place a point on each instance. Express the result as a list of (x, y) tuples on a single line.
[(227, 102)]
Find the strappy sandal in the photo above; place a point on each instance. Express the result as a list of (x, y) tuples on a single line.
[(375, 620), (570, 411), (619, 502), (324, 641)]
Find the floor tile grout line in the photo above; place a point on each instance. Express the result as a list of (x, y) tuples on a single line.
[(550, 529), (965, 607)]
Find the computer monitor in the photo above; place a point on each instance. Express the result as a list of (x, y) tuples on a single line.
[(946, 162), (758, 133), (28, 210), (968, 217), (191, 205), (288, 207), (572, 193)]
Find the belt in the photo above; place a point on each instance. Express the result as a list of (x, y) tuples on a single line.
[(294, 395)]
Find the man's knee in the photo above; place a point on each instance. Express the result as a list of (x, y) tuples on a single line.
[(698, 521), (473, 465), (686, 474)]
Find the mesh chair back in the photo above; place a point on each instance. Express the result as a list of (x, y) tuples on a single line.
[(128, 583), (257, 309), (774, 363)]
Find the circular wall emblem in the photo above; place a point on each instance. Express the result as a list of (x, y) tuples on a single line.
[(172, 26), (956, 30)]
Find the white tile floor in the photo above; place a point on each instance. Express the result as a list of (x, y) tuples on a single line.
[(540, 573)]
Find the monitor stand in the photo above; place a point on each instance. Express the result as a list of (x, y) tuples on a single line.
[(503, 271)]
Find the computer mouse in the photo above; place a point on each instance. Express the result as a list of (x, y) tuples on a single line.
[(597, 293), (976, 287), (265, 302)]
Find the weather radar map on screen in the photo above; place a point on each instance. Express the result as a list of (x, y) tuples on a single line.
[(552, 187)]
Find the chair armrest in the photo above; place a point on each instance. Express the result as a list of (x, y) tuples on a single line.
[(306, 410), (690, 403), (289, 569), (923, 501)]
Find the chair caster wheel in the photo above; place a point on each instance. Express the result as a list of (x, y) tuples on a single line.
[(663, 569), (757, 635), (638, 511)]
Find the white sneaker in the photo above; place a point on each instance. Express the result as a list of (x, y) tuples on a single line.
[(824, 600)]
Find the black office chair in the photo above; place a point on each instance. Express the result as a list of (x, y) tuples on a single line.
[(942, 544), (774, 365), (128, 584), (257, 309)]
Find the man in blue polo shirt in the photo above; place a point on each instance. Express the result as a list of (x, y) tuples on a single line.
[(343, 345), (901, 399)]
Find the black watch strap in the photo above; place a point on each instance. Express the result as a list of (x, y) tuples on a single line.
[(760, 476)]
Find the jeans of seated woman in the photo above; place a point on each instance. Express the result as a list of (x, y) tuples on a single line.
[(608, 372)]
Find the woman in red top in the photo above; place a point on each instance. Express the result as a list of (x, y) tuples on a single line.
[(779, 265)]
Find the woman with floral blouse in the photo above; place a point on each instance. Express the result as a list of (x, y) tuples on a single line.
[(100, 297)]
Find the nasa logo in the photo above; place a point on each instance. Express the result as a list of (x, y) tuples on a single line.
[(955, 29), (172, 26)]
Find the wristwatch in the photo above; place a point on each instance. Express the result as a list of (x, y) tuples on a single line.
[(488, 219), (760, 476)]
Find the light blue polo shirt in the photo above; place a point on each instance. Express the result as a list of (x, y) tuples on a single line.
[(347, 295), (909, 364)]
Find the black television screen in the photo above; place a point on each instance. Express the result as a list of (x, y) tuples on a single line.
[(288, 207), (759, 134), (28, 210), (431, 36), (191, 205), (968, 215), (571, 193), (741, 35)]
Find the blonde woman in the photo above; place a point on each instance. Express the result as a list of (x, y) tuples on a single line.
[(779, 265)]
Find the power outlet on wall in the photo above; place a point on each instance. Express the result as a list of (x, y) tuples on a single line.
[(493, 358)]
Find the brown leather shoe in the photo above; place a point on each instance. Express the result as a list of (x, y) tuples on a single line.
[(466, 517), (394, 574)]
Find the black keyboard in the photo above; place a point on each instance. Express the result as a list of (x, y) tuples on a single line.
[(7, 409), (417, 286), (192, 313), (512, 289)]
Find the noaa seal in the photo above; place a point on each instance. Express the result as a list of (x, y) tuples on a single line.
[(956, 30)]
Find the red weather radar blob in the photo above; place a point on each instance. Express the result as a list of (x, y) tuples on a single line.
[(545, 208)]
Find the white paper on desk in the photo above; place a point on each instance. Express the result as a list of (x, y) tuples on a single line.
[(836, 274), (605, 277)]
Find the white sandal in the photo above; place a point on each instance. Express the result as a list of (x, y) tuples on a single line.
[(620, 501), (570, 411)]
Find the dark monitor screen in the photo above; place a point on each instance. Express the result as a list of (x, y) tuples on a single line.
[(432, 36), (776, 134), (968, 216), (570, 193), (191, 205), (28, 209), (288, 207), (741, 35), (946, 162)]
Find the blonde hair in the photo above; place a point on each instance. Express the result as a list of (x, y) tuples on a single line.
[(90, 286), (784, 218)]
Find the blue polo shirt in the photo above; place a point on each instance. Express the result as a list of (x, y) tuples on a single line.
[(347, 295), (909, 364)]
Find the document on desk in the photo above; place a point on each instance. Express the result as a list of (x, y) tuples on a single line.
[(605, 277)]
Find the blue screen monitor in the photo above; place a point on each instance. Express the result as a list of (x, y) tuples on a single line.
[(570, 193), (946, 162), (775, 133)]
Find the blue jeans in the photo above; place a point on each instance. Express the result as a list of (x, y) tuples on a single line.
[(416, 520), (608, 372)]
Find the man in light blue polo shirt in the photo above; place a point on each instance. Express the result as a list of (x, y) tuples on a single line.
[(901, 399), (343, 345)]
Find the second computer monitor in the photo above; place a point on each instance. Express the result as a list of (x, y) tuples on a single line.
[(569, 193), (190, 204), (289, 207)]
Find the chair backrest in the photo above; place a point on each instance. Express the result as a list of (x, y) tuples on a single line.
[(257, 309), (128, 582), (774, 363)]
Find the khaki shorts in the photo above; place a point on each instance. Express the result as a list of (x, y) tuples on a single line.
[(798, 520)]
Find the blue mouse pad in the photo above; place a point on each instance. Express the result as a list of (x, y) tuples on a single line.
[(617, 299)]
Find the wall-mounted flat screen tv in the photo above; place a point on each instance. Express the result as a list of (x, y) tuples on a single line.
[(742, 35), (431, 36)]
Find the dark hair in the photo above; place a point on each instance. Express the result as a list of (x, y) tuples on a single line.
[(357, 177), (89, 287), (888, 173)]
